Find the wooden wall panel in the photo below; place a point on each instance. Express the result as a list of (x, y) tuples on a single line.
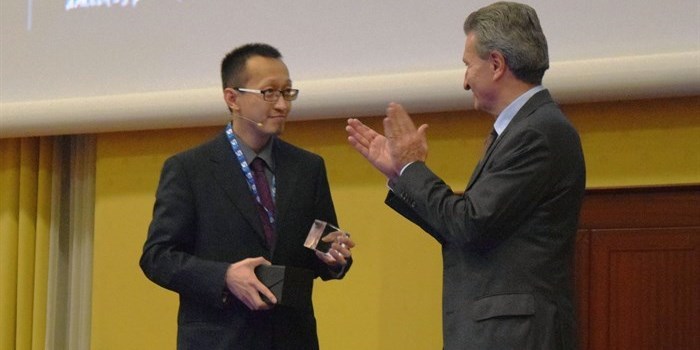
[(582, 285), (645, 288), (673, 206), (638, 269)]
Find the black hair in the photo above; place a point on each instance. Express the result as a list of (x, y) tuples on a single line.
[(233, 66)]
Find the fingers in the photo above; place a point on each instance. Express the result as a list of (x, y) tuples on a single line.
[(422, 129), (406, 143), (261, 288), (339, 257), (340, 250), (269, 298), (372, 145), (258, 297), (397, 122), (343, 248), (359, 136), (339, 238), (333, 258), (362, 134), (397, 118), (358, 146), (327, 258), (245, 285), (257, 261)]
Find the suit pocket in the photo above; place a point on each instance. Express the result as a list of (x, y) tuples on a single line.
[(504, 321), (504, 305)]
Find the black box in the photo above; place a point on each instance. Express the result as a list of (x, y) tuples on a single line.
[(292, 286)]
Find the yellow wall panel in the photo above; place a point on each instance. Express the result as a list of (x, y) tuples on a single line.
[(639, 143), (130, 312)]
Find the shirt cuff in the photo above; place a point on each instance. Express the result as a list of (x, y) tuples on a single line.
[(390, 182), (404, 168)]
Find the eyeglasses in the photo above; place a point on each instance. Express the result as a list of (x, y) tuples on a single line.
[(272, 95)]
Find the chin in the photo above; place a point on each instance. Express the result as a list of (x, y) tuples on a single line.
[(277, 129), (481, 107), (476, 104), (279, 124)]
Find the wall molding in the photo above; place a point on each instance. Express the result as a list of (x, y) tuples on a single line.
[(594, 80)]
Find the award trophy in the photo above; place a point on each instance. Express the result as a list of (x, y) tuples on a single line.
[(319, 229)]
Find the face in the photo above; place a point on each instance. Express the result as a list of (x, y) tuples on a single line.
[(478, 76), (263, 73)]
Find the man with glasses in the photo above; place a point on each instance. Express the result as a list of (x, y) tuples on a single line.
[(508, 239), (244, 199)]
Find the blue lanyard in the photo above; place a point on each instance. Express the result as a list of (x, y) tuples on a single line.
[(247, 173)]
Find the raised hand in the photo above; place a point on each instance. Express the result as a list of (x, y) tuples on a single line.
[(372, 145), (405, 143)]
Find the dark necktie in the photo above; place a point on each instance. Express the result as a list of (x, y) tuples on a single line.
[(258, 166), (489, 141)]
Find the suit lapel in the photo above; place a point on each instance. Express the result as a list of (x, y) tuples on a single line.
[(482, 162), (285, 180), (528, 108), (229, 177)]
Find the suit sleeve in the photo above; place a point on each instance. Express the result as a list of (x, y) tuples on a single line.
[(326, 211), (167, 258), (405, 209), (505, 193)]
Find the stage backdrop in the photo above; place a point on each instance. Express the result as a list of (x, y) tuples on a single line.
[(391, 298)]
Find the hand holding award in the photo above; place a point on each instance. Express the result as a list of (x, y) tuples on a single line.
[(332, 245)]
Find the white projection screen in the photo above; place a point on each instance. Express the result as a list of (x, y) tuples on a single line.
[(100, 65)]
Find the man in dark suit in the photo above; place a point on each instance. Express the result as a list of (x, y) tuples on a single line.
[(216, 219), (508, 240)]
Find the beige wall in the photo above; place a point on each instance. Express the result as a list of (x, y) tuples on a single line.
[(391, 298)]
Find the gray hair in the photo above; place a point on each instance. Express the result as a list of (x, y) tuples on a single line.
[(514, 30)]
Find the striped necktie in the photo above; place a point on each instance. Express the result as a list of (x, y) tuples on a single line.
[(258, 166)]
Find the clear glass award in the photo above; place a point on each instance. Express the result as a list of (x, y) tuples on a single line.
[(318, 230)]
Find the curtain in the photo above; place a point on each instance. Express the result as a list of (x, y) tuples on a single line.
[(25, 216)]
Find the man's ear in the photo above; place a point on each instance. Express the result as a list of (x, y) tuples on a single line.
[(498, 64), (231, 99)]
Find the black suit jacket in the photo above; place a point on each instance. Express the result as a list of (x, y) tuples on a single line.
[(205, 218), (507, 242)]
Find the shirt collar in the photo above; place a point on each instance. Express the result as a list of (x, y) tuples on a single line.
[(265, 154), (509, 112)]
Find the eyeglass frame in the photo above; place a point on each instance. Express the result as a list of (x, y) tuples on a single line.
[(276, 94)]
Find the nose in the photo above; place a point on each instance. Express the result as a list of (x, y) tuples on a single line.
[(282, 104), (465, 84)]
